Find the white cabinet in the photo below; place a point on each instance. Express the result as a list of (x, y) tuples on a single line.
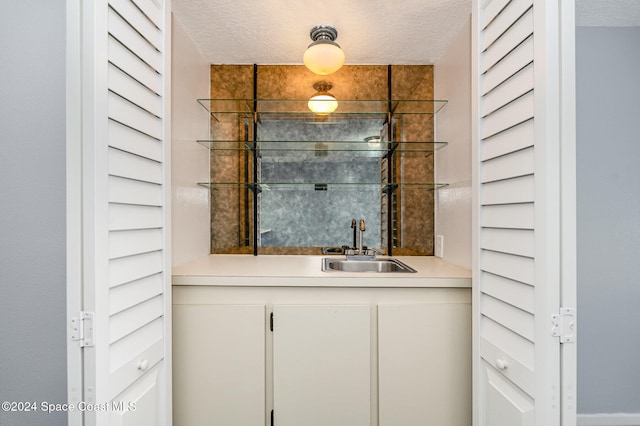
[(336, 356), (321, 365), (219, 364), (424, 364)]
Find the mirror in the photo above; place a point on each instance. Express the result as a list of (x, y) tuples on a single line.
[(339, 179)]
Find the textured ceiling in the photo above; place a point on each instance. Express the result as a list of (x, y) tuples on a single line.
[(277, 31), (369, 31)]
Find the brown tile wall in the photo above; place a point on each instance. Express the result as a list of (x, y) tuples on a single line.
[(230, 228)]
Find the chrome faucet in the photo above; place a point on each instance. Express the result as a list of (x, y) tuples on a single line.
[(359, 251), (362, 229), (355, 231)]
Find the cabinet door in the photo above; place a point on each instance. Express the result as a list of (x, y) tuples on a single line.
[(219, 365), (424, 364), (321, 365)]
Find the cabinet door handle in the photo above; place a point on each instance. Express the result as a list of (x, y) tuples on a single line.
[(501, 364), (143, 364)]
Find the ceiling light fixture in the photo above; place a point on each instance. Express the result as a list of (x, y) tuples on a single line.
[(322, 102), (324, 55)]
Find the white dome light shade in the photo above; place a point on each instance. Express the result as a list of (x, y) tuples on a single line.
[(323, 58), (322, 102), (324, 55)]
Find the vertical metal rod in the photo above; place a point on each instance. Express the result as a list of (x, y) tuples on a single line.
[(255, 160), (390, 164), (245, 156)]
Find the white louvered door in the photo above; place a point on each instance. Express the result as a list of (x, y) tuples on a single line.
[(119, 126), (523, 252)]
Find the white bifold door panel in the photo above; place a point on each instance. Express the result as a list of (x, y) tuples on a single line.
[(119, 213), (424, 364), (507, 404), (221, 381), (139, 402), (523, 246), (321, 365)]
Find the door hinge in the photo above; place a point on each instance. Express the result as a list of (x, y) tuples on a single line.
[(564, 325), (271, 322), (82, 329)]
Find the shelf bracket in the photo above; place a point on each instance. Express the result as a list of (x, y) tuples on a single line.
[(390, 188)]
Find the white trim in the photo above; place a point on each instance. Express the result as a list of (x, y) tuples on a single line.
[(74, 202), (475, 214), (166, 401), (568, 238), (547, 209), (95, 249), (609, 419)]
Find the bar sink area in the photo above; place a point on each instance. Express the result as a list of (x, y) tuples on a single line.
[(343, 323), (381, 265), (321, 290)]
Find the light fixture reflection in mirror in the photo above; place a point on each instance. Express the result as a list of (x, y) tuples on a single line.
[(324, 55), (373, 141), (322, 102)]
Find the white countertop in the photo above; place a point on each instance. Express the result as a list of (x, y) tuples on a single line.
[(305, 271)]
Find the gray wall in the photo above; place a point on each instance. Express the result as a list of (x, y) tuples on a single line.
[(608, 160), (32, 208)]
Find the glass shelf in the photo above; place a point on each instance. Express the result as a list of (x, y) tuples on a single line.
[(323, 186), (320, 149), (272, 108), (303, 163)]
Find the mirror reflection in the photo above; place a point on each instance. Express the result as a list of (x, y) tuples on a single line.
[(333, 189)]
